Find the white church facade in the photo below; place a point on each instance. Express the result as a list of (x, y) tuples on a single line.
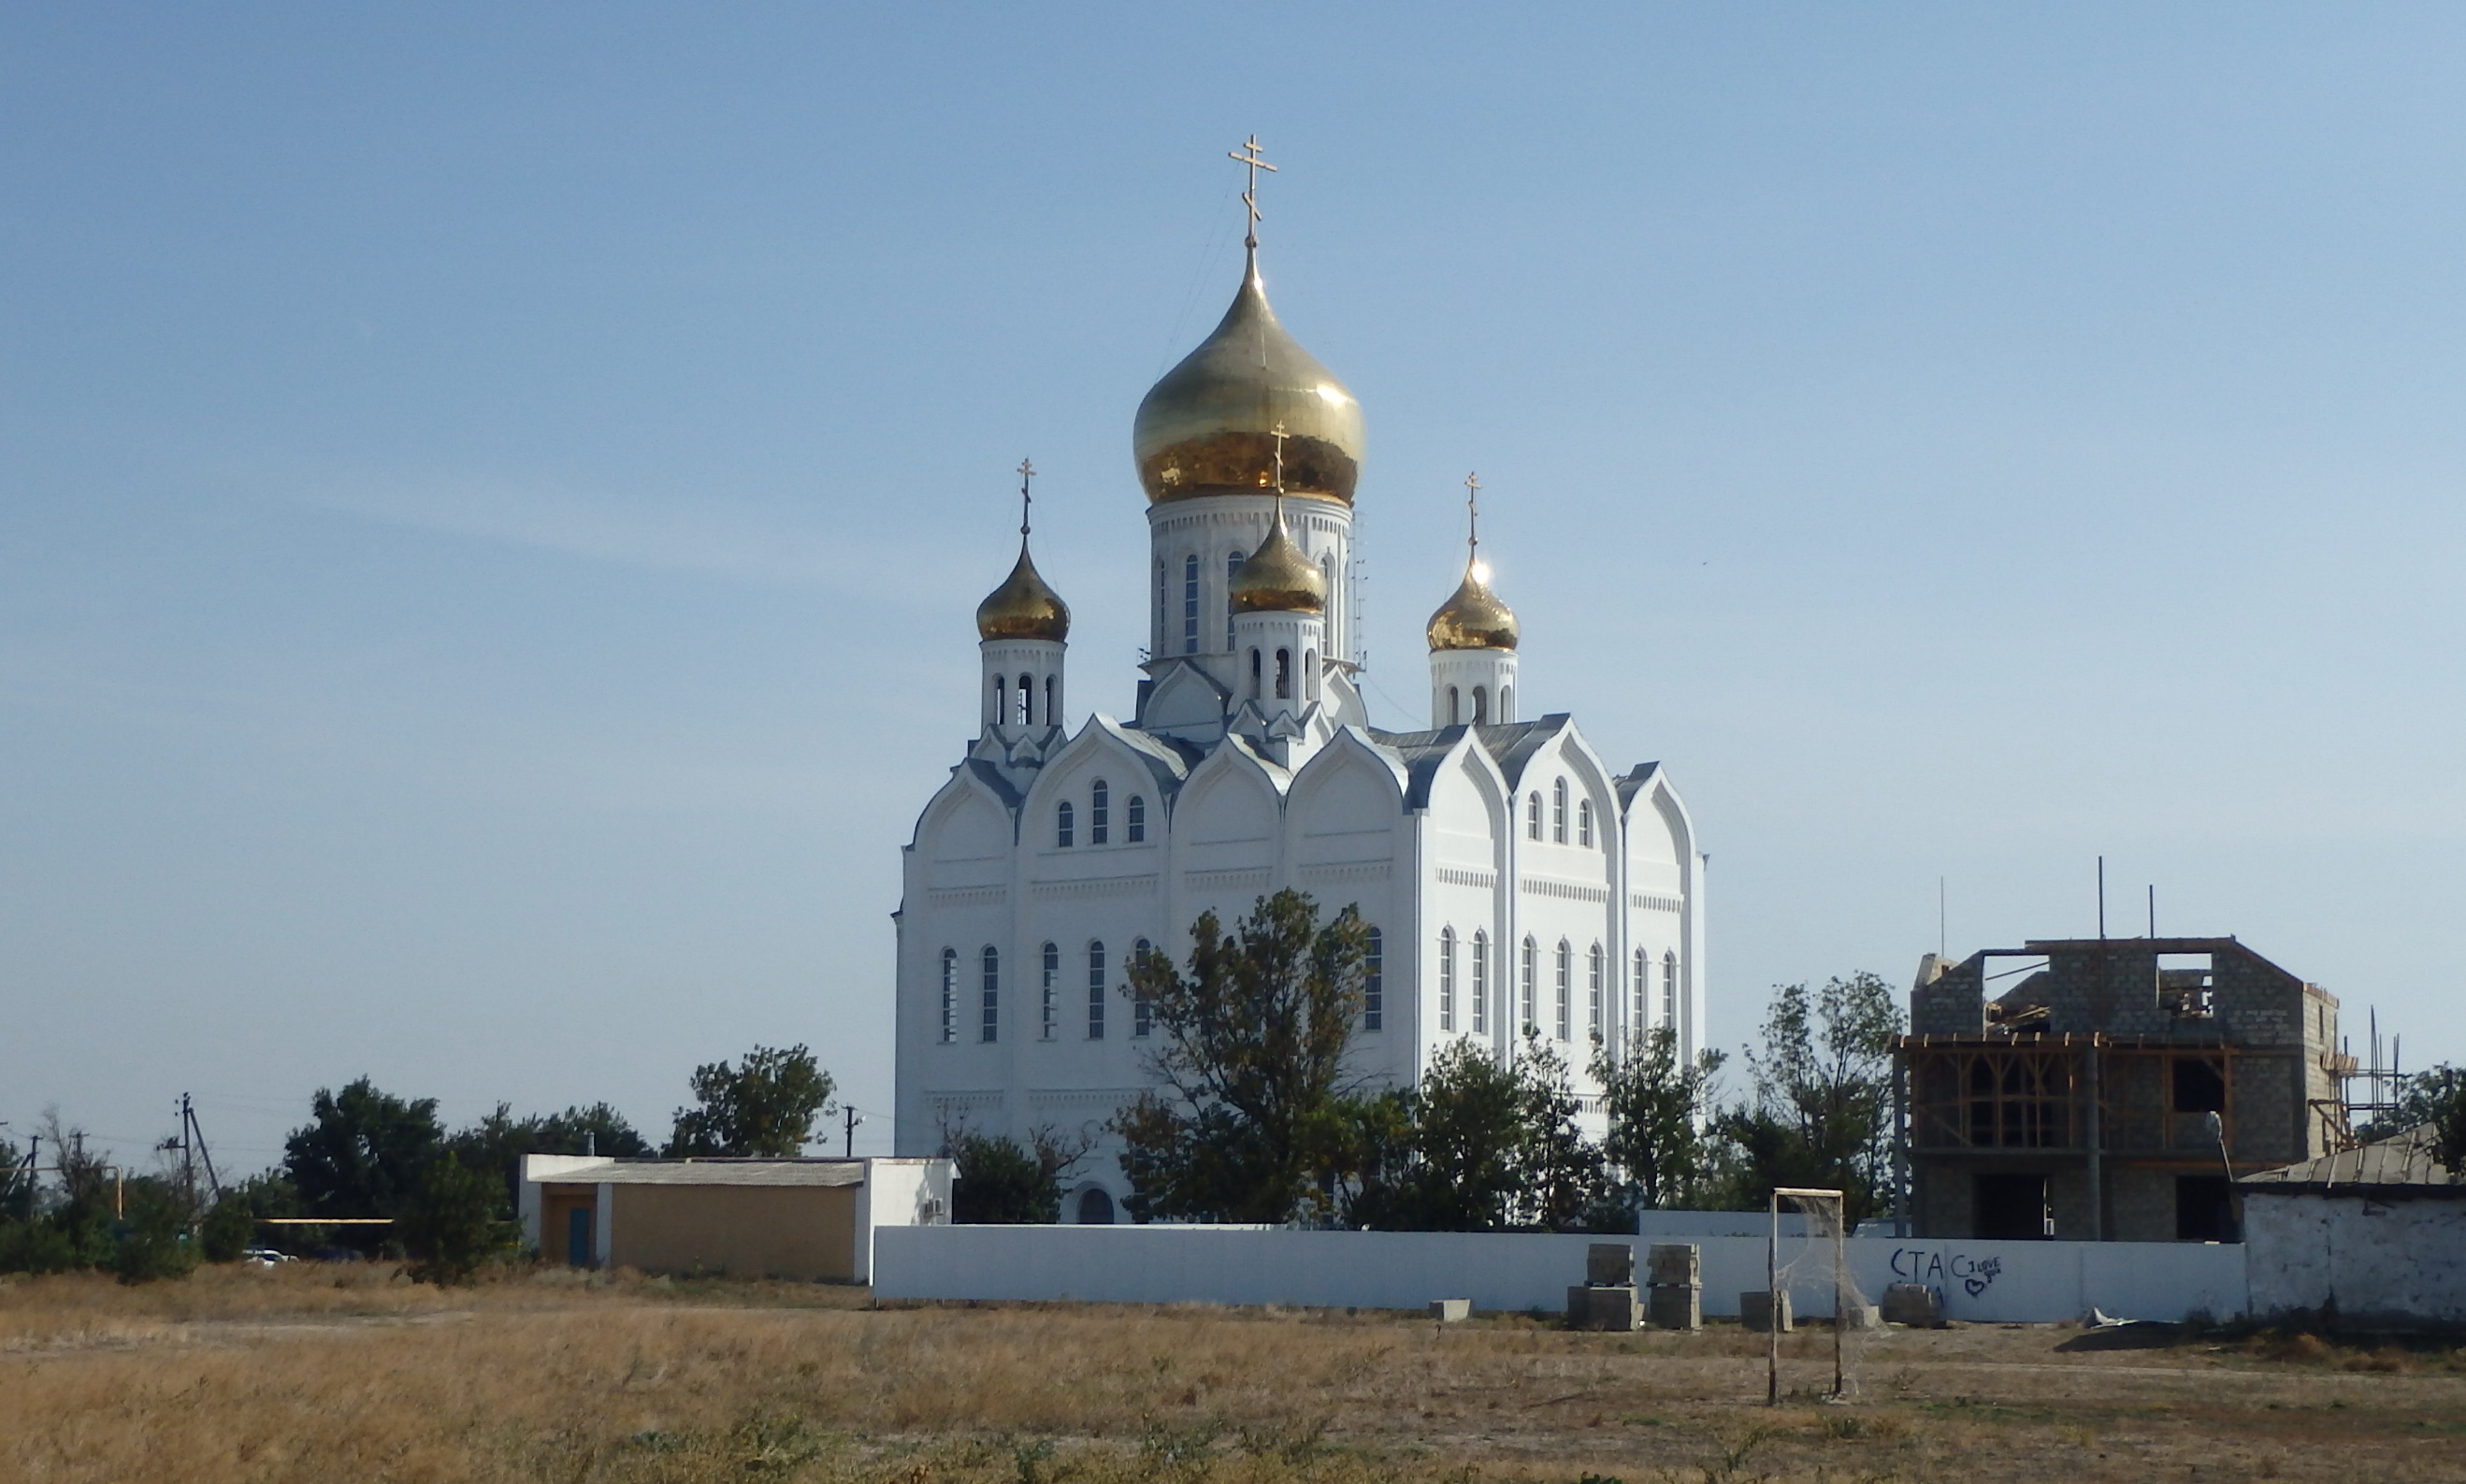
[(1512, 877)]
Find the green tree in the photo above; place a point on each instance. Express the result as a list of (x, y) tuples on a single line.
[(361, 1154), (2436, 1095), (1822, 1106), (499, 1140), (452, 1223), (1254, 1121), (16, 1185), (229, 1229), (766, 1107), (153, 1241), (1659, 1109), (70, 1225), (1005, 1182), (1481, 1145)]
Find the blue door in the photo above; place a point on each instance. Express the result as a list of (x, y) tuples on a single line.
[(577, 1236)]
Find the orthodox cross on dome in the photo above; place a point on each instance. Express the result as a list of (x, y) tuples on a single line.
[(1248, 155), (1026, 472), (1279, 435), (1472, 513)]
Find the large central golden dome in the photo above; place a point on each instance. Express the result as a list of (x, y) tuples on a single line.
[(1207, 427)]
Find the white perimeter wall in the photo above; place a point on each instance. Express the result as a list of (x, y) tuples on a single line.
[(2012, 1282), (2394, 1261)]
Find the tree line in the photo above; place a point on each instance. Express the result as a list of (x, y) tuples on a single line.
[(449, 1196), (1258, 1113)]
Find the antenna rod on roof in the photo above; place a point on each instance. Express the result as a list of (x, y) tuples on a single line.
[(2153, 908), (2101, 897)]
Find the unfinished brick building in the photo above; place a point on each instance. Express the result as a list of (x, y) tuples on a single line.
[(2079, 1102)]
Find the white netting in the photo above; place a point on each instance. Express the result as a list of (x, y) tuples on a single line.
[(1811, 1265)]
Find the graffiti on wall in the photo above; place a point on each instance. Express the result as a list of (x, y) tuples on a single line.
[(1941, 1269)]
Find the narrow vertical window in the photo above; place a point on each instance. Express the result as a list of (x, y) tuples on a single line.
[(1232, 565), (1447, 978), (1254, 675), (1283, 674), (1095, 991), (1480, 983), (1100, 813), (1137, 820), (1594, 967), (1584, 822), (1529, 992), (1062, 823), (1026, 700), (1142, 1013), (1374, 982), (992, 1030), (1564, 1021), (1455, 706), (1481, 706), (1639, 993), (1189, 605), (1505, 705), (1000, 711), (1533, 814), (1052, 700), (1310, 674), (1558, 812), (1670, 990), (1049, 1007), (949, 995)]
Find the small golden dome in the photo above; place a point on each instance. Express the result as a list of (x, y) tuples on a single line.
[(1473, 619), (1279, 578), (1207, 427), (1023, 607)]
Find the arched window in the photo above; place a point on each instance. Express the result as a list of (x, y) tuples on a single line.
[(1584, 822), (1481, 706), (1532, 814), (1505, 705), (1310, 674), (1000, 711), (1670, 989), (1455, 706), (1639, 991), (1052, 699), (992, 994), (1137, 821), (1189, 605), (1142, 1013), (1558, 811), (1594, 967), (1254, 675), (1447, 978), (1095, 991), (1062, 820), (1480, 983), (1100, 813), (1026, 700), (1160, 604), (1232, 565), (1529, 992), (949, 995), (1049, 1008), (1374, 982), (1283, 674), (1095, 1208), (1563, 1021)]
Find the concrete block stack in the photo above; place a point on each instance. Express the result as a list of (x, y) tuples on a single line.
[(1675, 1286), (1607, 1300)]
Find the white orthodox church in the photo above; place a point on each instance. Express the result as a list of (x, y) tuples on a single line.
[(1511, 878)]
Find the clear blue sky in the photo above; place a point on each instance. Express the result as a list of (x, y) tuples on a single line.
[(491, 498)]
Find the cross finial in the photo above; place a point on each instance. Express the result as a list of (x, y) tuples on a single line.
[(1472, 513), (1026, 472), (1248, 155), (1278, 434)]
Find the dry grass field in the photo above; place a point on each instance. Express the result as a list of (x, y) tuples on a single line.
[(341, 1375)]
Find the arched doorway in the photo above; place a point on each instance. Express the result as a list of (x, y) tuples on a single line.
[(1095, 1208)]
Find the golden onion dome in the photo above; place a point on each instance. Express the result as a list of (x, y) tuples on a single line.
[(1207, 427), (1279, 578), (1474, 618), (1023, 606)]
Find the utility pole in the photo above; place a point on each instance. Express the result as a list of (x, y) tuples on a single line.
[(852, 1121)]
